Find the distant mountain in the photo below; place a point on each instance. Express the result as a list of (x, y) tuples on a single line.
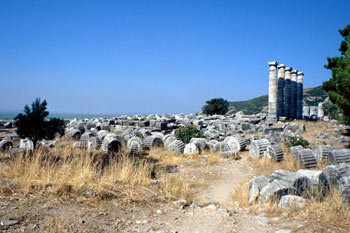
[(312, 96)]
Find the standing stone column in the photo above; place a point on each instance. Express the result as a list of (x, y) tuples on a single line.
[(293, 97), (273, 90), (300, 90), (313, 111), (306, 112), (280, 90), (287, 91), (320, 112)]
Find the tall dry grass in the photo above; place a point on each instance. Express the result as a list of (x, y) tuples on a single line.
[(327, 212), (176, 186), (240, 194), (166, 158), (65, 172)]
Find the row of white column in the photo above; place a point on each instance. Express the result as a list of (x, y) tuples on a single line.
[(285, 92)]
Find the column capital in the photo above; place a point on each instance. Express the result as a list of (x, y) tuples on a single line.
[(294, 71), (300, 73), (273, 63), (288, 68), (300, 77), (281, 66)]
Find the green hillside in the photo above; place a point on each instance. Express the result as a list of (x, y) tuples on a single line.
[(250, 106), (312, 96)]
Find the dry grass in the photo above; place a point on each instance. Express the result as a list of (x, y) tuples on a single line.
[(319, 214), (240, 194), (69, 173), (329, 212), (176, 187), (180, 185), (165, 158), (315, 127), (77, 177), (264, 166)]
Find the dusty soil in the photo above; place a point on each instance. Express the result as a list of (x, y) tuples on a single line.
[(211, 210)]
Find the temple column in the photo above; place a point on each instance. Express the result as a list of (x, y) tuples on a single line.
[(320, 112), (287, 92), (272, 112), (293, 97), (280, 90), (300, 90)]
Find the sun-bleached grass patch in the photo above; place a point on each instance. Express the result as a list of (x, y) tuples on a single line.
[(323, 213), (67, 173), (166, 158)]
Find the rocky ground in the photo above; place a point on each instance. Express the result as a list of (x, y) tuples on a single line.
[(211, 210)]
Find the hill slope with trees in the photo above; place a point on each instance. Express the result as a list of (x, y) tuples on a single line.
[(312, 96)]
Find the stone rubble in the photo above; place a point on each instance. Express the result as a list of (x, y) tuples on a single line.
[(226, 134), (281, 183)]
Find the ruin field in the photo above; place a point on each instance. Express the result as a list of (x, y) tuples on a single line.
[(133, 174)]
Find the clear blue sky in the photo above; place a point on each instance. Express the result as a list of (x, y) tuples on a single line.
[(164, 56)]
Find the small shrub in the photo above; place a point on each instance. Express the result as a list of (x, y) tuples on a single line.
[(296, 141), (188, 132)]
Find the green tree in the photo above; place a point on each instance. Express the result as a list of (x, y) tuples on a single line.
[(216, 106), (188, 132), (338, 86), (33, 125), (331, 110)]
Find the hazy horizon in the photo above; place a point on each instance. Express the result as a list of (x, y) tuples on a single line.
[(116, 57), (96, 114)]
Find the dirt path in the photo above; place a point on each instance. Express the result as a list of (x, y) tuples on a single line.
[(226, 176), (219, 214)]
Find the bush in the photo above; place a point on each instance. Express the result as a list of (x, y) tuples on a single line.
[(188, 132), (331, 110), (32, 123), (216, 106), (296, 141)]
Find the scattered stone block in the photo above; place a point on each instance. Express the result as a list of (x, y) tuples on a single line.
[(289, 201)]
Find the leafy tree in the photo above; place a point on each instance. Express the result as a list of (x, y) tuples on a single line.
[(188, 132), (331, 110), (339, 85), (32, 123), (216, 106)]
